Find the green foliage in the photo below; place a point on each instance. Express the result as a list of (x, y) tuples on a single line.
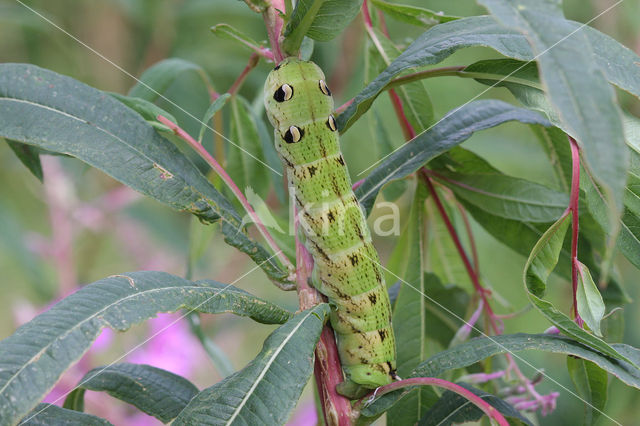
[(453, 129), (478, 349), (549, 64), (48, 414), (152, 390), (117, 141), (41, 350), (266, 390)]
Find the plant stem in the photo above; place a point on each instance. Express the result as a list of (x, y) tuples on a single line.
[(574, 202), (274, 23), (482, 292), (327, 368), (489, 410), (236, 191), (253, 61)]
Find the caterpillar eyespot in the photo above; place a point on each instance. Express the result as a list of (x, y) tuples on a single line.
[(284, 93), (331, 123), (293, 134), (346, 265), (324, 88)]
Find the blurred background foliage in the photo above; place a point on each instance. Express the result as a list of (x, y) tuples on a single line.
[(80, 225)]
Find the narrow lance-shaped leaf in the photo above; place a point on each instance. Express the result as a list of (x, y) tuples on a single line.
[(451, 130), (49, 414), (591, 383), (481, 348), (37, 354), (577, 88), (54, 112), (618, 63), (157, 392), (539, 266), (266, 390), (506, 196)]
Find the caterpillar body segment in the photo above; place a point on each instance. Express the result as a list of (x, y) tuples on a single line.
[(347, 270)]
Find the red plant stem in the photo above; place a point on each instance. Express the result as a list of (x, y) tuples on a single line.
[(344, 106), (574, 202), (489, 410), (472, 240), (274, 23), (327, 368), (232, 186), (253, 61), (463, 255)]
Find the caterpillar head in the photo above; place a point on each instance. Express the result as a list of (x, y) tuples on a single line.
[(295, 96)]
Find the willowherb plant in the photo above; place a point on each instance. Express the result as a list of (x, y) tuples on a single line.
[(417, 337)]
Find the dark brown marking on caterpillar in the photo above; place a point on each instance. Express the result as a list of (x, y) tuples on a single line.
[(373, 298), (312, 170), (353, 258), (383, 334)]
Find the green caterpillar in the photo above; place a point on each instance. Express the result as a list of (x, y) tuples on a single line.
[(347, 270)]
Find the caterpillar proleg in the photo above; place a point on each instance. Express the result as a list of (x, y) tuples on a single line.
[(347, 270)]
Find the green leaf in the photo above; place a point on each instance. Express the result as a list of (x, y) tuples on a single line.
[(29, 156), (37, 354), (266, 390), (149, 111), (228, 32), (591, 384), (211, 111), (54, 112), (159, 77), (453, 408), (49, 414), (456, 127), (410, 315), (618, 63), (541, 262), (577, 89), (320, 20), (506, 196), (590, 303), (480, 348), (433, 46), (246, 171), (154, 391), (412, 14)]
